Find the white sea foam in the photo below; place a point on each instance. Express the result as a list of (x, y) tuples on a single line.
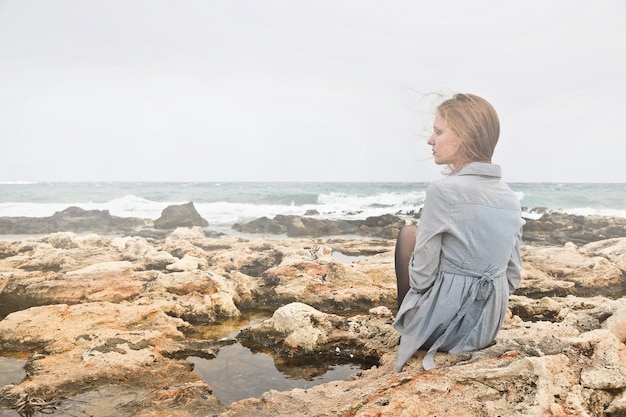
[(582, 211), (587, 211), (128, 206), (133, 206), (381, 199), (224, 214), (531, 215)]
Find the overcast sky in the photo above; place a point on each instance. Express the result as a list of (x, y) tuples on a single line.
[(295, 90)]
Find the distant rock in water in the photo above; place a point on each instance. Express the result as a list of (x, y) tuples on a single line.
[(556, 228), (183, 215), (552, 228), (72, 219), (385, 226)]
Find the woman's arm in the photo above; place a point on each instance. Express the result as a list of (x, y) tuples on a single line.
[(514, 269), (433, 223)]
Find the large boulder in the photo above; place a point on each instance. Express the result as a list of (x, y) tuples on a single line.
[(183, 215), (557, 228), (589, 270)]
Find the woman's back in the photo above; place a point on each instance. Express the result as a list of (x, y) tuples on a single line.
[(456, 271), (484, 216)]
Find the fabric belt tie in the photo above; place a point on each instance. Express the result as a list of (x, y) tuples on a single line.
[(470, 311)]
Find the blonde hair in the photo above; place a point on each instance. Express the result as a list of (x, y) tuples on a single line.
[(474, 120)]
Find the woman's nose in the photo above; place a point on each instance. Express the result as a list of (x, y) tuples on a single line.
[(431, 141)]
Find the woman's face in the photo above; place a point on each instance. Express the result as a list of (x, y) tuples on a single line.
[(444, 142)]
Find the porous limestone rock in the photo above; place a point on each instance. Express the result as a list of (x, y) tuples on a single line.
[(112, 312)]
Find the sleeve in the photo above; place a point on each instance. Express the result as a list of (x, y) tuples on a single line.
[(434, 222), (514, 268)]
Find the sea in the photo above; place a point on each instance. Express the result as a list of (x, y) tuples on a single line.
[(223, 204)]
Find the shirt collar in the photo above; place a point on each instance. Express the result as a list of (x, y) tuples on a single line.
[(482, 169)]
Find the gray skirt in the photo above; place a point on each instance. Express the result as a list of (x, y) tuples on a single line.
[(462, 311)]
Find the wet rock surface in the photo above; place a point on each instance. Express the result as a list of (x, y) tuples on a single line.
[(385, 226), (555, 228), (72, 219), (92, 312), (550, 228)]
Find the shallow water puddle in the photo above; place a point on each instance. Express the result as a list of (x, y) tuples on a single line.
[(11, 370), (237, 373), (104, 402), (347, 259)]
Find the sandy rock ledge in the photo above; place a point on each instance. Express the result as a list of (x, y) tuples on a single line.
[(94, 313)]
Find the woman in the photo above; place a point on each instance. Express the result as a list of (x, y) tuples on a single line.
[(456, 271)]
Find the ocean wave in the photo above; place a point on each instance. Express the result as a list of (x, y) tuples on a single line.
[(127, 206), (227, 213), (225, 204), (133, 206), (414, 198), (223, 214), (536, 213), (588, 211), (531, 215)]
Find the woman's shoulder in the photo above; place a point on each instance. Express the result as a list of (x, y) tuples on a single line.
[(447, 184), (438, 187), (441, 192), (454, 188)]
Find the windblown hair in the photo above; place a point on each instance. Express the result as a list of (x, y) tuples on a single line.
[(474, 120)]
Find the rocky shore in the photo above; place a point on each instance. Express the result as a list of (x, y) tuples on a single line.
[(110, 308)]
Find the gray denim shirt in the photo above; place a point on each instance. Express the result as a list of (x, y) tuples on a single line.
[(465, 264)]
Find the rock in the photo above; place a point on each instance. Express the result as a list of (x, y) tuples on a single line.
[(102, 268), (261, 225), (556, 228), (576, 270), (380, 311), (183, 215), (552, 228), (611, 249), (618, 406), (317, 280), (533, 369), (187, 263), (196, 296), (94, 312), (299, 329), (72, 219), (98, 344), (608, 370), (385, 226), (301, 325)]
